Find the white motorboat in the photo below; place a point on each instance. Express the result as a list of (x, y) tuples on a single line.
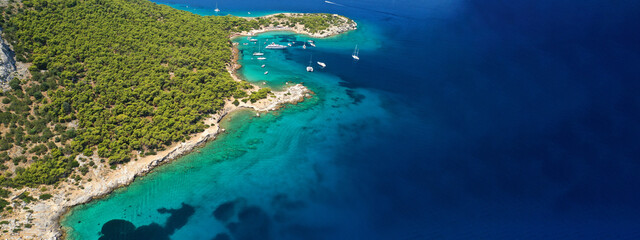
[(275, 46)]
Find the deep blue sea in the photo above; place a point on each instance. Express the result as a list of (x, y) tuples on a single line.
[(488, 119)]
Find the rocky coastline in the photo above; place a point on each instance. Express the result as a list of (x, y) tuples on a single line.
[(43, 216)]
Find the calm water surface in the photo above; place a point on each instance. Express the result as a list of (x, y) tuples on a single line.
[(462, 120)]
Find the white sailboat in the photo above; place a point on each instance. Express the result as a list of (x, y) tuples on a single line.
[(312, 44), (323, 65), (263, 65), (259, 53), (310, 68), (217, 10), (267, 72), (355, 53)]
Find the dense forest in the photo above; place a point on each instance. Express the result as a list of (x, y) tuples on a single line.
[(112, 79), (108, 78)]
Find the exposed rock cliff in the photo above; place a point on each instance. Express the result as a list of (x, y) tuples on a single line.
[(7, 63)]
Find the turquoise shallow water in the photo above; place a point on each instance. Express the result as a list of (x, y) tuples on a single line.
[(283, 154), (474, 119)]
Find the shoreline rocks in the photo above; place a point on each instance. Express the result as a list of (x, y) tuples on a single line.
[(44, 215)]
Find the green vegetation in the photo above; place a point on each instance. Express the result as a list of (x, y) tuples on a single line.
[(45, 196), (108, 78), (3, 203), (260, 94), (25, 197), (312, 22), (111, 78)]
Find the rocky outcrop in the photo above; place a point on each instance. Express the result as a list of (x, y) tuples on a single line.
[(7, 63)]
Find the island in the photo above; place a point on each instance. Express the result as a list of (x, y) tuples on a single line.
[(98, 92)]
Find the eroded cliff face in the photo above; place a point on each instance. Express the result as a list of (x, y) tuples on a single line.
[(7, 63)]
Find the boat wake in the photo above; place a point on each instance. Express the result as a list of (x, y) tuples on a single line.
[(367, 9), (337, 4)]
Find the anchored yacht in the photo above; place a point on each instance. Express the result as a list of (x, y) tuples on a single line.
[(275, 46), (310, 68)]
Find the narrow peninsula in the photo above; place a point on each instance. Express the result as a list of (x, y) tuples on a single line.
[(105, 91)]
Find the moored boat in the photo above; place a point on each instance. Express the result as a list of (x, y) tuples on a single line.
[(275, 46), (310, 68), (259, 53), (323, 65)]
